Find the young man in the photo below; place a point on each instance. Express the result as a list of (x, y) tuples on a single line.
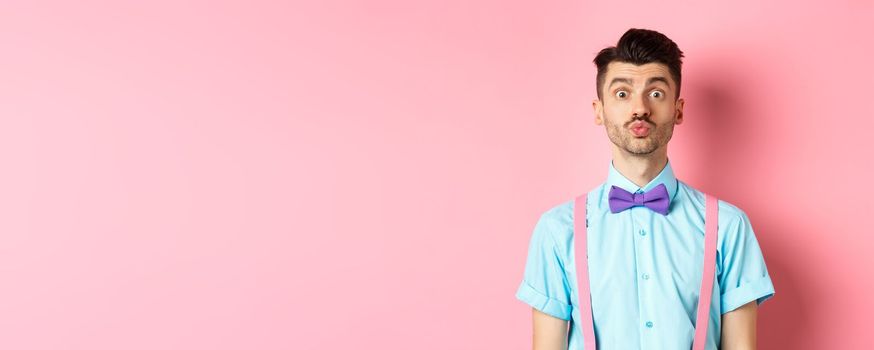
[(644, 261)]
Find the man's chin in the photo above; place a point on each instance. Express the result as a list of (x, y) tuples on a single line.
[(641, 151)]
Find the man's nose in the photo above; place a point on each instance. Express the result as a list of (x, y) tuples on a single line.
[(640, 107)]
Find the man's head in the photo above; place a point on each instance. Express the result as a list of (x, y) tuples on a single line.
[(638, 87)]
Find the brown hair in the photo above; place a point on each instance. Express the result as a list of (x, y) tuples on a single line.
[(641, 46)]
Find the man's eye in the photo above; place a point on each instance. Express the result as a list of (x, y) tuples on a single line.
[(621, 94), (656, 94)]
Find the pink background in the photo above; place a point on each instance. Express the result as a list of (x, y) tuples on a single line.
[(343, 175)]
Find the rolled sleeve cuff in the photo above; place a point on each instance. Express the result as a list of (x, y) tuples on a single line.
[(759, 290), (547, 305)]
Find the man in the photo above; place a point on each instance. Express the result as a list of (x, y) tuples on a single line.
[(644, 264)]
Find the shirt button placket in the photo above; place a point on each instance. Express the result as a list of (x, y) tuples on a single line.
[(645, 284)]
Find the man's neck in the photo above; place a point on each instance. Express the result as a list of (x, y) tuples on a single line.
[(640, 170)]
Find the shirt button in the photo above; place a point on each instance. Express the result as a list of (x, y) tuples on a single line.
[(645, 276), (642, 232), (648, 324)]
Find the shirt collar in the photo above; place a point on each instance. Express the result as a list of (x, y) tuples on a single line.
[(666, 176)]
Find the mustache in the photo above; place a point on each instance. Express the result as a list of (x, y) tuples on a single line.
[(645, 120)]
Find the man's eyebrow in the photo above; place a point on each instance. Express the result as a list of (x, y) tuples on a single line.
[(655, 79), (619, 80), (648, 82)]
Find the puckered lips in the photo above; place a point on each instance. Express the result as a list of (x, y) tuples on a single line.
[(639, 128)]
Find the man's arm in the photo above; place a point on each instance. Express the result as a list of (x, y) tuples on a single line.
[(550, 333), (739, 328)]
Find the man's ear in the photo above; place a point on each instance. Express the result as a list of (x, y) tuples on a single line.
[(678, 114), (598, 109)]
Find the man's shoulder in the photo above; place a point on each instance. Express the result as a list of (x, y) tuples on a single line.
[(557, 220), (729, 213), (560, 214)]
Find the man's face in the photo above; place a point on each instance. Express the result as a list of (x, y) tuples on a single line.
[(638, 106)]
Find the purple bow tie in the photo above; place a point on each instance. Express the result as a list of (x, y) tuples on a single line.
[(656, 199)]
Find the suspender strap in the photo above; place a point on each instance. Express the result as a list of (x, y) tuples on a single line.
[(711, 217), (581, 257), (584, 295)]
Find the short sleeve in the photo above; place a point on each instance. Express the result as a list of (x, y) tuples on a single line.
[(744, 276), (544, 285)]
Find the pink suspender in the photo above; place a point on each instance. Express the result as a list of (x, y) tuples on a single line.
[(711, 216), (585, 298), (581, 256)]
